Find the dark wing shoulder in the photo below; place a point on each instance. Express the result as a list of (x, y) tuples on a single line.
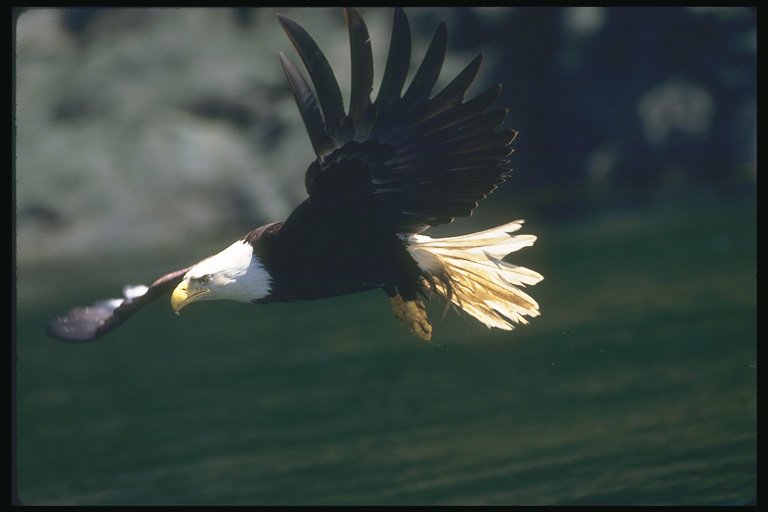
[(423, 160), (92, 322)]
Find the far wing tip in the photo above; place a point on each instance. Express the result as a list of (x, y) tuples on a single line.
[(85, 324)]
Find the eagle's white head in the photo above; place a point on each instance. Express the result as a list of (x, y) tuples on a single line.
[(235, 273)]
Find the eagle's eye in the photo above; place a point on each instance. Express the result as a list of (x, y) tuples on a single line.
[(204, 280)]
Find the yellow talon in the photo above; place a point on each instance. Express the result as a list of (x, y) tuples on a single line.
[(413, 314)]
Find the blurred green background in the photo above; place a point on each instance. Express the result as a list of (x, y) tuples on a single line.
[(149, 139)]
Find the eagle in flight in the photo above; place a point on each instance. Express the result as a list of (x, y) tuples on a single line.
[(386, 170)]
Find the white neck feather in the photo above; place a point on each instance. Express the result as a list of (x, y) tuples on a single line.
[(235, 273)]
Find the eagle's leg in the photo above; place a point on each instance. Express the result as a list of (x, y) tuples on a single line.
[(413, 315)]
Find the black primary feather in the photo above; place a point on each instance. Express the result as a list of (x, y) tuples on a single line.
[(362, 64), (398, 61)]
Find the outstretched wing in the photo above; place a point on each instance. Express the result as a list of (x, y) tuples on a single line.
[(422, 160), (93, 322)]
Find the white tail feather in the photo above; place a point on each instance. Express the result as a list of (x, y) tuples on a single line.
[(468, 271)]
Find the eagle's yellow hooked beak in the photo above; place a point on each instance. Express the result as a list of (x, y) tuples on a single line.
[(184, 294)]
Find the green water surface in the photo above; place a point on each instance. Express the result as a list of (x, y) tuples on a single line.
[(637, 385)]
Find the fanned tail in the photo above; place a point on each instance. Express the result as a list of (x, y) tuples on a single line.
[(469, 273)]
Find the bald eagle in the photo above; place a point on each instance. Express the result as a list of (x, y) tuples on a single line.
[(386, 170)]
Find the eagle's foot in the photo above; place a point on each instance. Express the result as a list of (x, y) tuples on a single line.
[(413, 314)]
